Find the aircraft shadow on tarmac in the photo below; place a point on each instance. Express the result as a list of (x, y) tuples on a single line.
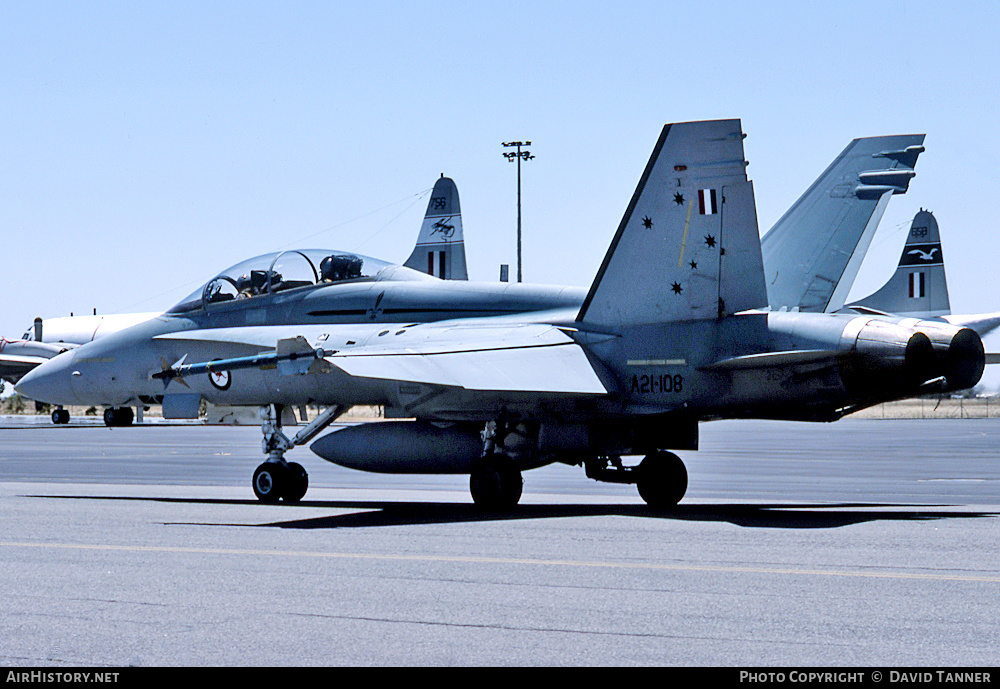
[(751, 515)]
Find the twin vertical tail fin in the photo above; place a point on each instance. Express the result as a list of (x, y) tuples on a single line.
[(918, 287), (813, 253), (687, 247), (440, 249)]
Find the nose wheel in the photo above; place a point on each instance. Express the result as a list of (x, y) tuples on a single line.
[(276, 479), (280, 480)]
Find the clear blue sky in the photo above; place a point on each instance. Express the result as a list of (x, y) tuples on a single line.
[(148, 145)]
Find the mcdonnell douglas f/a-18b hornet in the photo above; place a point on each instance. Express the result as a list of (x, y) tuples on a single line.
[(496, 379)]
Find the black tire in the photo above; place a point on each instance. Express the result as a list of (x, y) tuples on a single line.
[(269, 481), (296, 483), (60, 416), (496, 483), (118, 416), (663, 480)]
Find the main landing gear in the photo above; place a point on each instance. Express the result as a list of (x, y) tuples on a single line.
[(277, 479), (118, 416), (60, 416), (660, 477), (496, 482)]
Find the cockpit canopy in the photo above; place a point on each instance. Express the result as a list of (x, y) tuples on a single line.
[(288, 270)]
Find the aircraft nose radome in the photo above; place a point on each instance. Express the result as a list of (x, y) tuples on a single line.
[(50, 382)]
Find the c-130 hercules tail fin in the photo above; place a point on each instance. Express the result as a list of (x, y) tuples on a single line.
[(687, 247), (918, 287), (440, 249)]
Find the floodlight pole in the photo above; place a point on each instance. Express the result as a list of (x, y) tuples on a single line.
[(511, 157)]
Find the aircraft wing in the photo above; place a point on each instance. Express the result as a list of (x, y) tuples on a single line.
[(12, 367), (982, 323), (516, 358), (20, 356)]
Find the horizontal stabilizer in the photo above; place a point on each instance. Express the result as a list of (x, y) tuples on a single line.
[(20, 356), (19, 360)]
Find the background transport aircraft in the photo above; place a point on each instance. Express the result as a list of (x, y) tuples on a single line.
[(440, 251), (49, 337), (494, 380), (919, 287)]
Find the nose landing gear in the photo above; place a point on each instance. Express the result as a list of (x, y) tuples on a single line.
[(277, 479)]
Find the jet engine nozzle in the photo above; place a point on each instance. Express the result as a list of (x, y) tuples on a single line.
[(965, 360), (919, 351), (894, 345), (959, 353), (890, 355), (918, 357)]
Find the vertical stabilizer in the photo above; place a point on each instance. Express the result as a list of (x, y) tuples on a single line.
[(440, 249), (687, 247), (813, 253), (918, 287)]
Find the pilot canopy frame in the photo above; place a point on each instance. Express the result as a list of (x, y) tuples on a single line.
[(280, 272)]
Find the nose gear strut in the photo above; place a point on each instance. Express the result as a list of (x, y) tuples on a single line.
[(277, 479)]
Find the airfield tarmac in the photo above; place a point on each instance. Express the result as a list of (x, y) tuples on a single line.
[(860, 543)]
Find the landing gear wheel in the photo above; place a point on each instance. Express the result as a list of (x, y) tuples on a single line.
[(297, 482), (60, 416), (662, 480), (118, 416), (269, 480), (496, 483)]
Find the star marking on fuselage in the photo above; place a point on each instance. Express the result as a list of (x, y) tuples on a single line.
[(647, 222), (676, 287), (678, 198), (709, 240), (694, 265)]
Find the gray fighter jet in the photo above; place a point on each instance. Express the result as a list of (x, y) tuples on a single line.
[(440, 251), (494, 379)]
